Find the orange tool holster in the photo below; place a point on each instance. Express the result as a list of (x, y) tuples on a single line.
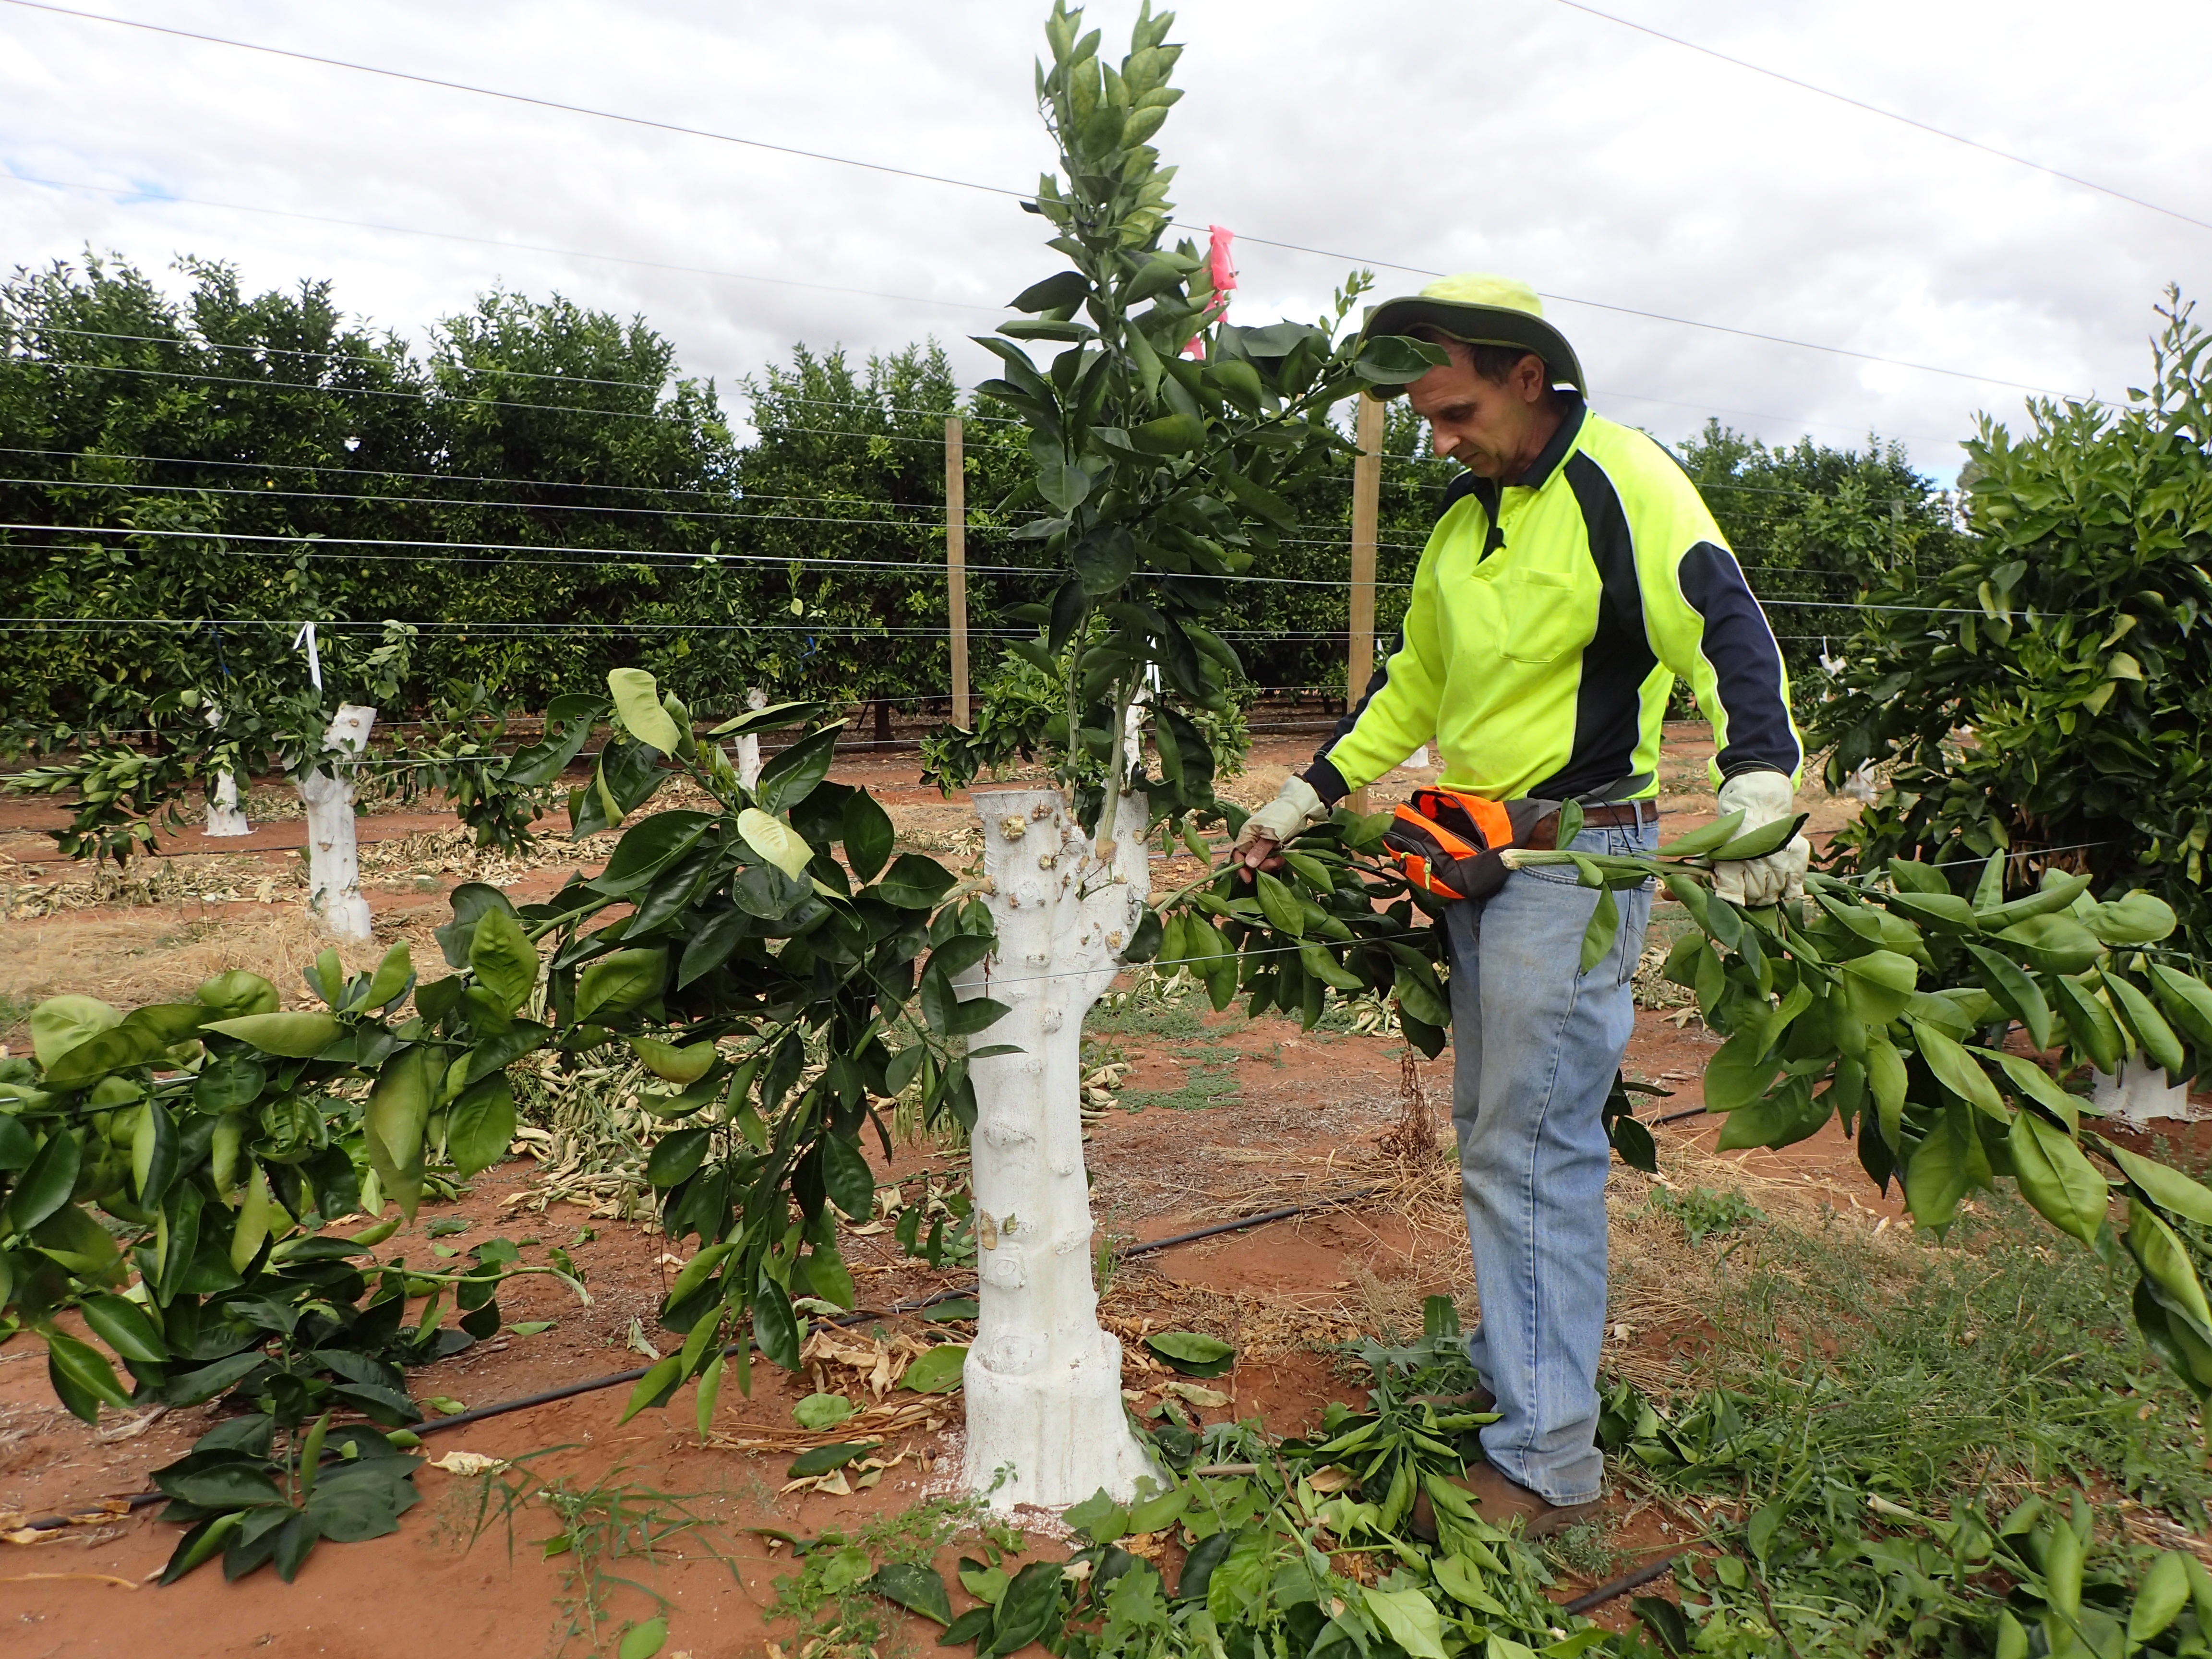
[(1447, 841)]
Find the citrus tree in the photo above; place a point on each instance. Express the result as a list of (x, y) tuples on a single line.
[(2046, 693)]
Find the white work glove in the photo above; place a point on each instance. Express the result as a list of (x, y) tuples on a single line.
[(1779, 878), (1294, 808)]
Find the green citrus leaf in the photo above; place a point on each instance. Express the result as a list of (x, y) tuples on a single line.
[(938, 1371)]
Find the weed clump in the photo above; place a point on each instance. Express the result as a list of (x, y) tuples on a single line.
[(1704, 1212)]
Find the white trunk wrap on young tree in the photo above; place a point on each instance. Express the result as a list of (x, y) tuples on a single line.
[(749, 760), (333, 856), (224, 816), (2140, 1092), (1044, 1382)]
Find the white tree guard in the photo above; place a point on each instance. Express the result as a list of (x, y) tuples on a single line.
[(333, 856), (224, 816), (749, 760), (1043, 1380), (2140, 1092)]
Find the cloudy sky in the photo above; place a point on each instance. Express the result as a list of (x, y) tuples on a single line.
[(1608, 167)]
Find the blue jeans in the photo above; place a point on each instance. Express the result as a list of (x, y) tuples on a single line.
[(1535, 1043)]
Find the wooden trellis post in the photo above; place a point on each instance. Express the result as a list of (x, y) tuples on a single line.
[(956, 566), (1366, 505)]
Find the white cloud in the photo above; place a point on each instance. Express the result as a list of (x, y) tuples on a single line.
[(1513, 134)]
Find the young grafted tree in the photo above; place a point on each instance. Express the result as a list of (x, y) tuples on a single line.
[(1156, 478)]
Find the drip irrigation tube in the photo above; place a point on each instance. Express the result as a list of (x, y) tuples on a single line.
[(1613, 1588), (549, 1396)]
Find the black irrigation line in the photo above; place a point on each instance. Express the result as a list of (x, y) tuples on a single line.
[(549, 1396), (1614, 1589)]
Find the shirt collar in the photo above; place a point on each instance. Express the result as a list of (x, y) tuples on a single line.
[(1540, 470)]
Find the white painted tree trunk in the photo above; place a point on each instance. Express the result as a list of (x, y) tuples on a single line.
[(749, 760), (2140, 1092), (1043, 1380), (333, 856), (224, 816)]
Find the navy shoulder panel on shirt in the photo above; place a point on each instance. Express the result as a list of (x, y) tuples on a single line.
[(1608, 706), (1747, 663)]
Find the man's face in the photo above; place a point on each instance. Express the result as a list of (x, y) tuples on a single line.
[(1485, 426)]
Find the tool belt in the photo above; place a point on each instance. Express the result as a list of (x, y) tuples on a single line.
[(1448, 841)]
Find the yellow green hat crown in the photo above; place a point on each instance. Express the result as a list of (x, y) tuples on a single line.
[(1480, 309)]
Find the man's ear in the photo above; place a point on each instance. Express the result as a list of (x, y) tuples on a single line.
[(1531, 380)]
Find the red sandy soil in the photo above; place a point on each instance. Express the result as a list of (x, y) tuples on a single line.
[(1157, 1171)]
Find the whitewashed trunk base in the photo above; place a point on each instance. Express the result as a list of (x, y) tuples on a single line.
[(224, 816), (334, 897), (1043, 1380), (2140, 1093)]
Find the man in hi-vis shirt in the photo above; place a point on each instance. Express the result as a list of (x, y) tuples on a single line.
[(1573, 574)]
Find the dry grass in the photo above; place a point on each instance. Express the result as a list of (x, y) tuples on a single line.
[(130, 958), (1143, 1301), (205, 877), (1421, 1188), (1659, 1282)]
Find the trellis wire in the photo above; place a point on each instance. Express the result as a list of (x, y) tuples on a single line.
[(201, 342), (916, 174)]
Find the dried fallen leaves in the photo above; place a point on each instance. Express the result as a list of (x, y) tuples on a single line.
[(15, 1527)]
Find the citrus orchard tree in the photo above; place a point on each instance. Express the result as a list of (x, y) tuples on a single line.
[(2053, 703)]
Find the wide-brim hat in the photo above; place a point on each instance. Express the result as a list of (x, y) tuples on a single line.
[(1479, 310)]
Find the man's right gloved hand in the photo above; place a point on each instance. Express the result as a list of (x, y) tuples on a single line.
[(1295, 807)]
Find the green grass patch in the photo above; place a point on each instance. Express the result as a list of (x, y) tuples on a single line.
[(1203, 1086), (1157, 1022), (2008, 1357)]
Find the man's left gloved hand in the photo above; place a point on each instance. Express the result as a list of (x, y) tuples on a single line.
[(1779, 878), (1296, 807)]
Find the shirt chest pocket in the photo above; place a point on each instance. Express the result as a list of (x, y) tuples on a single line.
[(1546, 615)]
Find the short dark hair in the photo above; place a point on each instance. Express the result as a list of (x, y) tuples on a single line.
[(1494, 363)]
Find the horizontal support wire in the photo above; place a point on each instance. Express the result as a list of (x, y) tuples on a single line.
[(917, 175), (674, 489), (202, 343), (424, 550), (927, 525), (456, 400), (166, 200), (860, 630)]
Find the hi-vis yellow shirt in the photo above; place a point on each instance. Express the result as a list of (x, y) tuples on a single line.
[(1548, 622)]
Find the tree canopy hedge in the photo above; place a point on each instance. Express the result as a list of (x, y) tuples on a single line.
[(2047, 691), (544, 494)]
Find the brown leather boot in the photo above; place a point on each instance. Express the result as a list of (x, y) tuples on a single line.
[(1499, 1500)]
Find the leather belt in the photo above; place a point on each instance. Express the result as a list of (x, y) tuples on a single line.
[(1543, 834)]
